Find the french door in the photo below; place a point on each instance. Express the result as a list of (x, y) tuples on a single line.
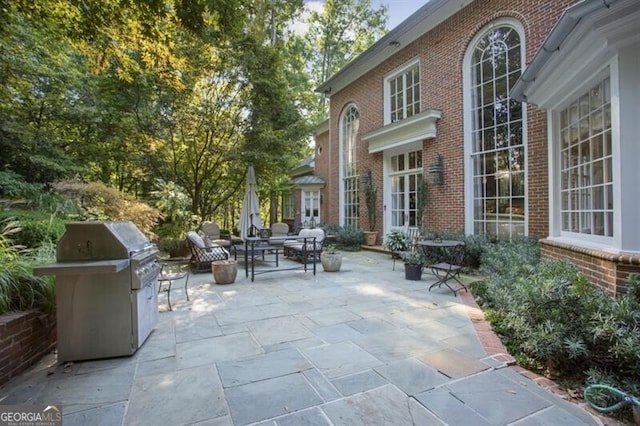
[(310, 207), (405, 177)]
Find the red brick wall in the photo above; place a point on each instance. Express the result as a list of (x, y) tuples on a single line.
[(441, 53), (605, 270), (25, 337)]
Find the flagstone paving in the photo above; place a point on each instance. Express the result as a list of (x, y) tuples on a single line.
[(362, 346)]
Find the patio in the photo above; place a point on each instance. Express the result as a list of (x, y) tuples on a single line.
[(362, 346)]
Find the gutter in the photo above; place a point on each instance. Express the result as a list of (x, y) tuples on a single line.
[(568, 21)]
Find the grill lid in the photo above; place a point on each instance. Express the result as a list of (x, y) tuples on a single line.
[(99, 241)]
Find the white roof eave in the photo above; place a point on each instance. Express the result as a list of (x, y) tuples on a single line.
[(433, 13)]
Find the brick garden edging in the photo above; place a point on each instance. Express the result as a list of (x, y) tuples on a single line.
[(25, 337)]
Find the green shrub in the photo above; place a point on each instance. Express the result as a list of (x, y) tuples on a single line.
[(13, 186), (396, 241), (349, 238), (36, 229), (96, 201), (550, 315), (19, 288)]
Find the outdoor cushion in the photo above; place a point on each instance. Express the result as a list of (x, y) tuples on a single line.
[(202, 255), (298, 243)]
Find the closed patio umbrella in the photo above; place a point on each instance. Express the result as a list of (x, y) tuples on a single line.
[(250, 212)]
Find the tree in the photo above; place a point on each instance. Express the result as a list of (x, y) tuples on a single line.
[(343, 30)]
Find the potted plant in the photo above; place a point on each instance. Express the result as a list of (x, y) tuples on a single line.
[(396, 241), (413, 265), (331, 259), (224, 271), (371, 198)]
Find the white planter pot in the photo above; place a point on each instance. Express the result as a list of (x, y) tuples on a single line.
[(331, 262)]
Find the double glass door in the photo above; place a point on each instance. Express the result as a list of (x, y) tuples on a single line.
[(310, 207), (406, 182)]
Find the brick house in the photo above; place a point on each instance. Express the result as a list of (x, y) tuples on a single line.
[(434, 101)]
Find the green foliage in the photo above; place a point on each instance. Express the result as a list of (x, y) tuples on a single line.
[(38, 228), (396, 241), (19, 288), (96, 201), (413, 258), (554, 317), (371, 199), (349, 238), (13, 186)]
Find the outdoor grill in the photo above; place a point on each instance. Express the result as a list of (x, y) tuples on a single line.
[(106, 278)]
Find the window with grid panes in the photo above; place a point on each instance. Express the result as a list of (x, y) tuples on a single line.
[(405, 174), (288, 211), (404, 93), (586, 174), (348, 134), (498, 148)]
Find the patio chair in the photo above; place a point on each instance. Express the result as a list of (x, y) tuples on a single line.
[(297, 247), (449, 269), (169, 274), (202, 254), (211, 231), (279, 230)]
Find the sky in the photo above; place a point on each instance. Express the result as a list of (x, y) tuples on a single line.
[(399, 10)]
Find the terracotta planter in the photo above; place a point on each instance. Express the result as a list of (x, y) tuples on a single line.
[(370, 238), (224, 271)]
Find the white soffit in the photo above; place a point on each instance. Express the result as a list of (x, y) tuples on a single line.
[(587, 35), (417, 128)]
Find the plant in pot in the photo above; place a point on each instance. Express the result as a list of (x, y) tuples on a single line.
[(413, 265), (371, 197), (224, 271), (396, 242), (331, 259)]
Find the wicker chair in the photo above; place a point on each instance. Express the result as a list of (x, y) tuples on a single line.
[(202, 254)]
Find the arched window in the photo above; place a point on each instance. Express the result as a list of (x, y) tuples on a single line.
[(349, 124), (495, 131)]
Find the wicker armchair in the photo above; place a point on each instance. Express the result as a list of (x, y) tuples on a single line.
[(202, 255)]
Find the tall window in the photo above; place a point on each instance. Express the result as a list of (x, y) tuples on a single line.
[(405, 173), (586, 173), (497, 142), (403, 90), (348, 135), (288, 211)]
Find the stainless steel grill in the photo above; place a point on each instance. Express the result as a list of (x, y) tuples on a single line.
[(106, 290)]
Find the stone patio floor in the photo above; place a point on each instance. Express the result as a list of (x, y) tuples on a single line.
[(362, 346)]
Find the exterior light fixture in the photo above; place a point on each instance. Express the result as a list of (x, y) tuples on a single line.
[(436, 171)]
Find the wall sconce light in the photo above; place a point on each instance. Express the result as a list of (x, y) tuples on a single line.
[(436, 172), (365, 179)]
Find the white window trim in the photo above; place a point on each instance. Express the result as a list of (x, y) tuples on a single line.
[(595, 242), (386, 184), (468, 122), (303, 192), (393, 74), (341, 199)]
